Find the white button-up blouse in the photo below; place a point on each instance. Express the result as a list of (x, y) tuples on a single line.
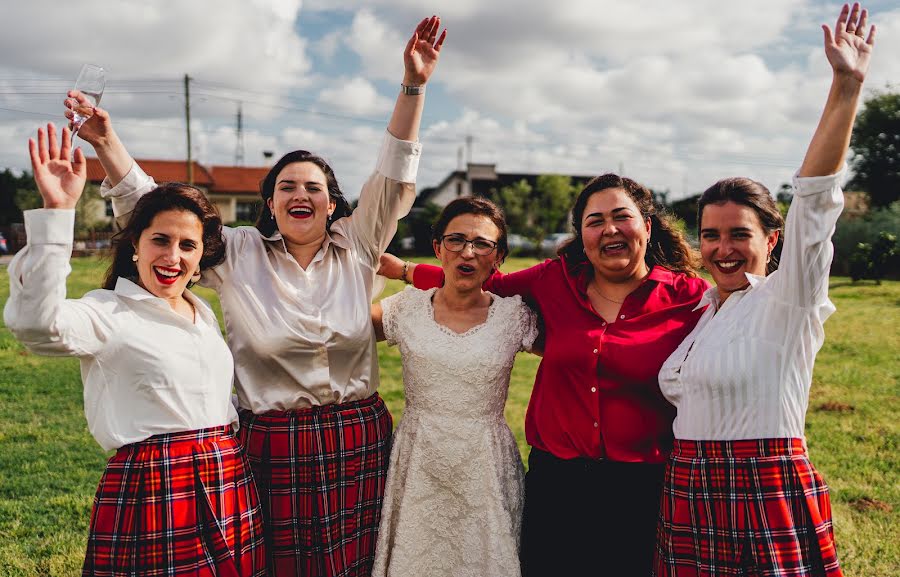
[(304, 337), (146, 369), (745, 370)]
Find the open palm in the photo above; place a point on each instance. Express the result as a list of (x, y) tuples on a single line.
[(59, 180), (423, 50), (849, 49)]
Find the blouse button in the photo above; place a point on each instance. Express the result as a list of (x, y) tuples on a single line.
[(593, 389), (621, 316), (595, 351), (603, 324), (596, 424)]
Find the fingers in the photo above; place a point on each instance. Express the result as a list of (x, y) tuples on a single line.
[(440, 41), (79, 165), (841, 23), (871, 39), (42, 146), (34, 154), (53, 142), (863, 19), (829, 37), (853, 20), (65, 149)]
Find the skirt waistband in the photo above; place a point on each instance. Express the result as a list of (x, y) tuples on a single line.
[(180, 438), (740, 449), (314, 411)]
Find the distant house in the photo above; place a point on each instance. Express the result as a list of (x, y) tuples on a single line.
[(477, 180), (233, 189)]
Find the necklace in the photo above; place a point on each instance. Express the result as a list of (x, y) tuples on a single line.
[(603, 296)]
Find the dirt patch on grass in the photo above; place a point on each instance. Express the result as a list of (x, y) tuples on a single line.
[(866, 504), (835, 407)]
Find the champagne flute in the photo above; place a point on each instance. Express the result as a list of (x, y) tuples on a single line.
[(91, 82)]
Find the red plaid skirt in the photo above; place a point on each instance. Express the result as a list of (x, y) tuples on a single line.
[(749, 507), (176, 505), (321, 474)]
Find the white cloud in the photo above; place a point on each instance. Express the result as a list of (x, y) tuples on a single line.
[(355, 96)]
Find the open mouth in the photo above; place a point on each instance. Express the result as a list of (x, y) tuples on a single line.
[(728, 266), (613, 248), (166, 275), (300, 212), (466, 269)]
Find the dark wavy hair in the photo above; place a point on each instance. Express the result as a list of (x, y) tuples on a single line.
[(473, 205), (265, 223), (168, 196), (666, 246), (752, 194)]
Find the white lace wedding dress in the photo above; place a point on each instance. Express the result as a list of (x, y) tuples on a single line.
[(453, 502)]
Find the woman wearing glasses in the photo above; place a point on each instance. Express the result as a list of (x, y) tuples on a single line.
[(453, 504), (615, 304), (295, 293)]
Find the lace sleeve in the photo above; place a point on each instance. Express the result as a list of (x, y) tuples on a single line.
[(391, 309), (528, 326)]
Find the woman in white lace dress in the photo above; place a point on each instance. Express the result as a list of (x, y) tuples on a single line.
[(453, 503)]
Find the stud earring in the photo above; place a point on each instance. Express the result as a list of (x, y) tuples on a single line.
[(134, 257)]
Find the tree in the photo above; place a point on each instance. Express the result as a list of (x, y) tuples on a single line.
[(539, 210), (876, 149), (13, 189)]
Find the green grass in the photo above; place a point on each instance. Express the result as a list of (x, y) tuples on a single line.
[(50, 465)]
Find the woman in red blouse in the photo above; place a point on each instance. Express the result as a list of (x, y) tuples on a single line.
[(615, 304)]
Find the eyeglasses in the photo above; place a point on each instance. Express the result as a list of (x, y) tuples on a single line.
[(457, 243)]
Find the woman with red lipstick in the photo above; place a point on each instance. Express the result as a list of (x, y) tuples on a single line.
[(615, 304), (453, 504), (741, 497), (295, 293), (178, 497)]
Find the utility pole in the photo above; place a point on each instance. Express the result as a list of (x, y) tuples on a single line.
[(187, 120), (239, 149), (469, 140)]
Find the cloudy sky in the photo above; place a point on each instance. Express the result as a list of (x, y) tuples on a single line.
[(675, 95)]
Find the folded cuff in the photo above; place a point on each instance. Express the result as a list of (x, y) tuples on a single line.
[(808, 185), (399, 159), (50, 225)]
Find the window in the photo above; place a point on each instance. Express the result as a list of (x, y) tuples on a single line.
[(246, 211)]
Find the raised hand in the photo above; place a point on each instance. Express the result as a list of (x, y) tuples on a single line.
[(59, 180), (422, 51), (849, 48), (97, 129)]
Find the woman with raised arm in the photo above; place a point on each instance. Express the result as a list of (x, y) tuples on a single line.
[(741, 497), (453, 504), (616, 302), (295, 293), (177, 498)]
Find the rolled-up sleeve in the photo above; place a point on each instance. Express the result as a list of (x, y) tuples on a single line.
[(37, 311), (386, 197), (127, 192), (803, 270)]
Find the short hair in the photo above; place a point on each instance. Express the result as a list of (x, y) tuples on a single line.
[(472, 205)]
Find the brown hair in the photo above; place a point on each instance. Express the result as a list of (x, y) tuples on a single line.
[(472, 205), (265, 223), (666, 246), (748, 193), (169, 196)]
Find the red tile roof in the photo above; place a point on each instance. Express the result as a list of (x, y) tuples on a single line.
[(216, 179), (237, 179)]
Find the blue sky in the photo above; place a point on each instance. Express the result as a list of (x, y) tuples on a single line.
[(677, 95)]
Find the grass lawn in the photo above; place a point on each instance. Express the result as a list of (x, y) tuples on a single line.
[(50, 465)]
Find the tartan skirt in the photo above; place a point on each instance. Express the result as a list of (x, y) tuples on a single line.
[(748, 507), (321, 474), (177, 504)]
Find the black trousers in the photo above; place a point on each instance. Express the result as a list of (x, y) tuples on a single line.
[(585, 517)]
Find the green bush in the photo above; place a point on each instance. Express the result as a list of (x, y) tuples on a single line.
[(850, 259)]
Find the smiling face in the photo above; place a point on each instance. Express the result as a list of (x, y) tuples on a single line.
[(466, 270), (615, 235), (169, 252), (300, 203), (733, 242)]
